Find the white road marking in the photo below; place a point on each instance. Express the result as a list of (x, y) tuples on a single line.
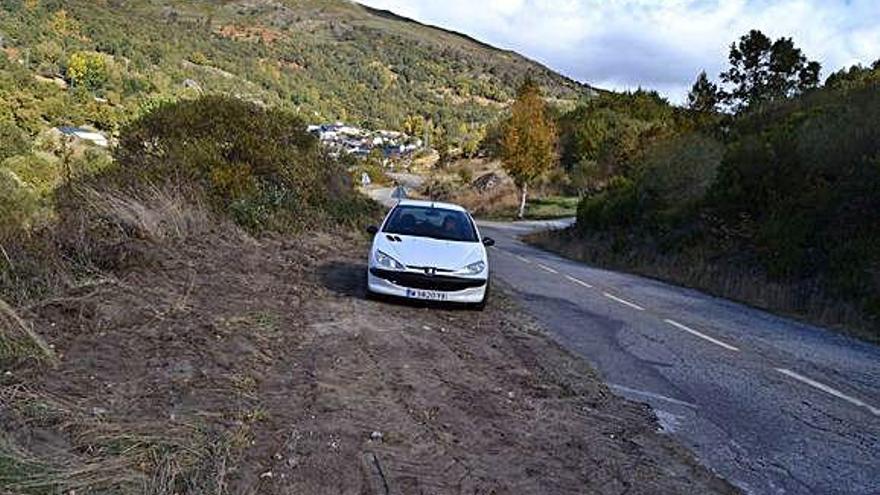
[(829, 390), (623, 301), (524, 260), (579, 282), (652, 395), (546, 268), (702, 335)]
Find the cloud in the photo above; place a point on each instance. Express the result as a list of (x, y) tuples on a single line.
[(660, 44)]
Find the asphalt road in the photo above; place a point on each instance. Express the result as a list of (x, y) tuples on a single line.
[(773, 405)]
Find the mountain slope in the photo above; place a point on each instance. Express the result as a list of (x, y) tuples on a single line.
[(330, 59)]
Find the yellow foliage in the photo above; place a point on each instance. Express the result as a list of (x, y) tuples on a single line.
[(528, 147), (88, 69)]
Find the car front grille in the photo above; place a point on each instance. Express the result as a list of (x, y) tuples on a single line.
[(422, 281)]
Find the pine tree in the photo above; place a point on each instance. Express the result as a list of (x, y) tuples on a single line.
[(704, 96), (528, 146), (763, 70)]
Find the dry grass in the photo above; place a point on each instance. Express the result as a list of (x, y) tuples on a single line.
[(92, 455), (18, 341), (502, 199), (805, 300), (150, 213)]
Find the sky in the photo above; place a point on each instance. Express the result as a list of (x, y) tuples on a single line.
[(656, 44)]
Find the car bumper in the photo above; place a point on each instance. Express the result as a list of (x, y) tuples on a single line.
[(386, 287)]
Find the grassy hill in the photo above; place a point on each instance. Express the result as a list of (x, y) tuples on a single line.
[(328, 59)]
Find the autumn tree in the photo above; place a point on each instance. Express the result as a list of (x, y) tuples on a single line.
[(763, 70), (528, 144)]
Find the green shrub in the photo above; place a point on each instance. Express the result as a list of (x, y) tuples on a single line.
[(13, 140), (258, 165), (88, 70), (19, 205), (616, 206), (676, 173)]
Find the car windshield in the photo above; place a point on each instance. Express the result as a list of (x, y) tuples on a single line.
[(437, 223)]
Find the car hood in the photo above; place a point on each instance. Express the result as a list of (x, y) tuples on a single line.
[(427, 252)]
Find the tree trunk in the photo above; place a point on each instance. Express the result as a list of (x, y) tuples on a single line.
[(522, 202)]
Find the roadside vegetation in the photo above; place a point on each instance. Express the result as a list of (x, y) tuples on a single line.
[(212, 170), (764, 189)]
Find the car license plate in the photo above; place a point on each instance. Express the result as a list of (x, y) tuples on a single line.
[(428, 295)]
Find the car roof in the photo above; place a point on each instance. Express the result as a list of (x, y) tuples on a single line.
[(430, 204)]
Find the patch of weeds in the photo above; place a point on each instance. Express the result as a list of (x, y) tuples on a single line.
[(262, 322), (109, 457)]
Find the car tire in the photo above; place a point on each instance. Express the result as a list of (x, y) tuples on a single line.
[(368, 294)]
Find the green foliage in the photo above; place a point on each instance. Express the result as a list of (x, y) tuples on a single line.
[(26, 184), (791, 194), (13, 140), (806, 178), (704, 95), (854, 77), (19, 205), (676, 173), (615, 207), (87, 70), (258, 165), (762, 71), (606, 136)]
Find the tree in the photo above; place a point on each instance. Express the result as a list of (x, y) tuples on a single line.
[(528, 146), (855, 76), (762, 70), (704, 96)]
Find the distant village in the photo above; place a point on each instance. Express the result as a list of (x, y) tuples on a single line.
[(342, 139), (339, 138)]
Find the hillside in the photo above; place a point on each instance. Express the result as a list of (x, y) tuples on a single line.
[(329, 59)]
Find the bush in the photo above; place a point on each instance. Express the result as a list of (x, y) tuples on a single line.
[(616, 206), (88, 70), (258, 165), (13, 140), (19, 206), (676, 173)]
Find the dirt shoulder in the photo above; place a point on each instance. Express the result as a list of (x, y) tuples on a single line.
[(228, 365)]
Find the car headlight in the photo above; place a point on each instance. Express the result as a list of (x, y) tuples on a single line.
[(386, 261), (475, 268)]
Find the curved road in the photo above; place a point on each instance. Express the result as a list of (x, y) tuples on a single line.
[(774, 406)]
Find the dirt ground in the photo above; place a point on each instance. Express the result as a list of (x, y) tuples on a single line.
[(229, 365)]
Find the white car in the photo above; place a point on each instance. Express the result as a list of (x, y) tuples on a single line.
[(431, 251)]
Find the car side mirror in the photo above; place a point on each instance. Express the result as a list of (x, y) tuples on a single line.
[(488, 241), (372, 230)]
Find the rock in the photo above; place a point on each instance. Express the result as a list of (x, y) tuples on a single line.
[(267, 474), (192, 84), (486, 182), (98, 411), (376, 436)]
